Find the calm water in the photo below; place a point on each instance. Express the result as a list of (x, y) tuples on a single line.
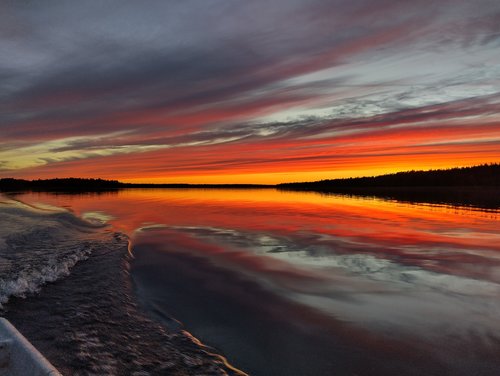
[(285, 283)]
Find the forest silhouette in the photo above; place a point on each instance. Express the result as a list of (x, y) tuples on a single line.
[(471, 186), (477, 186)]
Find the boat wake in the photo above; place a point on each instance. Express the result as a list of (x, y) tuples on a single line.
[(40, 245), (87, 323)]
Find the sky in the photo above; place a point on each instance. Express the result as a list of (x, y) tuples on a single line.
[(238, 91)]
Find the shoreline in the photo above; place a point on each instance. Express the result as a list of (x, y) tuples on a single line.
[(482, 197)]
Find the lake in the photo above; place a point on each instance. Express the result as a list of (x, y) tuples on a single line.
[(296, 283)]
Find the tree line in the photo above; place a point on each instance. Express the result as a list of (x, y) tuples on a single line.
[(486, 175), (100, 185)]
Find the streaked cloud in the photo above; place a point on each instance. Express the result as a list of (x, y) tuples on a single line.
[(176, 90)]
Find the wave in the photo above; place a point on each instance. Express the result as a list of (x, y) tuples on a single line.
[(90, 323), (40, 245)]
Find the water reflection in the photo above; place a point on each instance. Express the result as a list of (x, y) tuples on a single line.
[(299, 283)]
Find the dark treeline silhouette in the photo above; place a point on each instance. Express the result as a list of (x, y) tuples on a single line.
[(483, 175), (203, 186), (478, 186), (99, 185), (60, 185)]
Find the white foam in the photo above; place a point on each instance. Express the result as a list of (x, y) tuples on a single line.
[(30, 281), (39, 245)]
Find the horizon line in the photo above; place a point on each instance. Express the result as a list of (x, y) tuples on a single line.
[(488, 164)]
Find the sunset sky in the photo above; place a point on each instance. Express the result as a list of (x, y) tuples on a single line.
[(238, 91)]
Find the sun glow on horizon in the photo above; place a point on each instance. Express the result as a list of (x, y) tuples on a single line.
[(284, 177)]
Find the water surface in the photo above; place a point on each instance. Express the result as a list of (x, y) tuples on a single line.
[(293, 283)]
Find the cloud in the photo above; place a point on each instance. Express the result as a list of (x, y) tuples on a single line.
[(202, 76)]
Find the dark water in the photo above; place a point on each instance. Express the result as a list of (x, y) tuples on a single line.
[(283, 283), (65, 285)]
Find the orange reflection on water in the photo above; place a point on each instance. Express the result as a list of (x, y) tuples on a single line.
[(367, 225), (263, 209), (428, 275)]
